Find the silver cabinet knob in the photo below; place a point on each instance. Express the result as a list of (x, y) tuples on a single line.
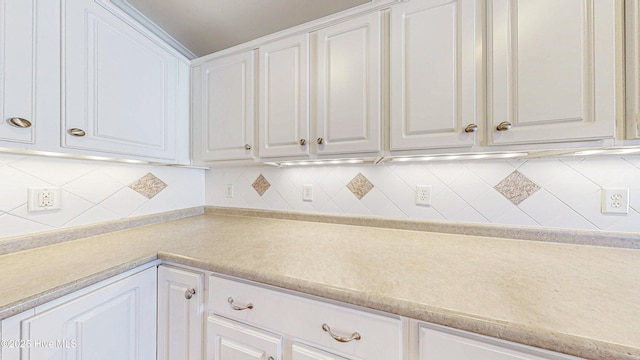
[(76, 132), (320, 141), (188, 294), (471, 128), (249, 306), (355, 336), (247, 147), (19, 122), (303, 142), (504, 126)]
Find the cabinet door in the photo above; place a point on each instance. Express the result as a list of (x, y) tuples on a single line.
[(114, 322), (435, 74), (284, 91), (120, 87), (439, 343), (303, 352), (348, 86), (180, 314), (551, 70), (224, 108), (230, 340), (633, 68), (29, 70)]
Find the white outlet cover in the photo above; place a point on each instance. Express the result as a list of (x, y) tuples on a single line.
[(36, 195), (423, 195), (615, 201)]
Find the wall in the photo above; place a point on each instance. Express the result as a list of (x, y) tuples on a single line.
[(92, 191), (556, 192)]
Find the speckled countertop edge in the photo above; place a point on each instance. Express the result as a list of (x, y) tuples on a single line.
[(566, 236)]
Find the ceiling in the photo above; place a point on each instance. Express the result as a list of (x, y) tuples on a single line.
[(207, 26)]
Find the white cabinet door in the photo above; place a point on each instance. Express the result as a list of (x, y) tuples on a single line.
[(551, 70), (435, 74), (284, 96), (180, 314), (632, 22), (348, 76), (440, 343), (29, 70), (117, 321), (224, 108), (230, 340), (303, 352), (121, 89)]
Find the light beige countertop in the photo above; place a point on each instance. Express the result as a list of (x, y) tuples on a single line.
[(576, 299)]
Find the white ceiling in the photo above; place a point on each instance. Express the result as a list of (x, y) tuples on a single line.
[(206, 26)]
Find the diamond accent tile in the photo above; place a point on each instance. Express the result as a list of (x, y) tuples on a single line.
[(148, 186), (261, 185), (360, 186), (516, 187)]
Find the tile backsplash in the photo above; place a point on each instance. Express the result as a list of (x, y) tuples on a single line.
[(554, 192), (92, 191)]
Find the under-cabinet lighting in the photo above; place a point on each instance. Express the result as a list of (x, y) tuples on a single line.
[(608, 151), (476, 156), (70, 156), (321, 162)]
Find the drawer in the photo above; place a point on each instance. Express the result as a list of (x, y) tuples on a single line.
[(303, 318)]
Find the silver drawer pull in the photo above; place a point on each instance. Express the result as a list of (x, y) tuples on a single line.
[(19, 122), (77, 132), (188, 294), (239, 308), (355, 336)]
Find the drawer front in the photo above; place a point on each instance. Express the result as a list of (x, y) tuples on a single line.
[(303, 318)]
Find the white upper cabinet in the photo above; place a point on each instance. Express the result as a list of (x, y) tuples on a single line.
[(284, 97), (348, 88), (551, 70), (224, 108), (29, 70), (633, 69), (435, 74), (123, 92)]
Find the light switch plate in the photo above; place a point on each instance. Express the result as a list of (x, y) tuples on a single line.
[(307, 192)]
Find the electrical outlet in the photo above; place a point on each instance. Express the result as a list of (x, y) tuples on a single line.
[(423, 195), (307, 192), (43, 199), (615, 201), (228, 192)]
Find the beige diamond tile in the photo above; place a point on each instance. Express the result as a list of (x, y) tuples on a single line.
[(516, 187), (148, 186), (261, 185), (360, 186)]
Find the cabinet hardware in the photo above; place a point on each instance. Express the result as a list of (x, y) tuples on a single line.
[(19, 122), (320, 141), (247, 147), (188, 294), (239, 308), (303, 142), (471, 128), (77, 132), (355, 336), (504, 126)]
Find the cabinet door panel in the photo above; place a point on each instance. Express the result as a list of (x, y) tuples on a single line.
[(348, 86), (180, 320), (230, 340), (551, 70), (434, 73), (120, 87), (284, 112), (227, 108), (115, 322), (632, 12)]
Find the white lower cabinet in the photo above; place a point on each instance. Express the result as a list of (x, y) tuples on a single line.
[(442, 343), (180, 313), (117, 320), (231, 340), (303, 352)]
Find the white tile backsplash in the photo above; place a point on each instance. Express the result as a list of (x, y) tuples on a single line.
[(92, 192), (569, 194)]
